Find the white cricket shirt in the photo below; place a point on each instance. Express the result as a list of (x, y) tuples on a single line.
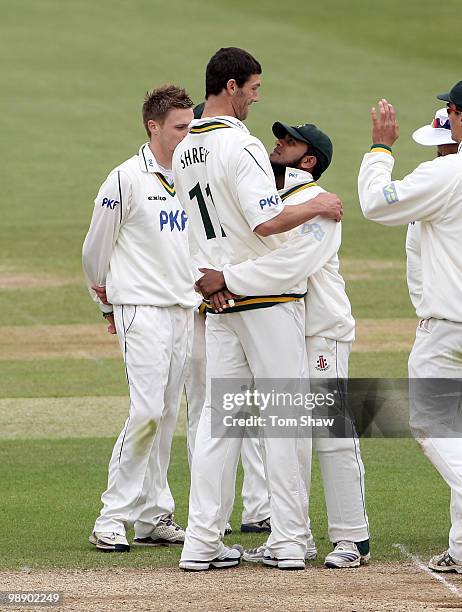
[(432, 194), (311, 251), (226, 185), (137, 244), (413, 263)]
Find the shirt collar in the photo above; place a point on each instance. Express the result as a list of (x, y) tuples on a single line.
[(294, 176), (459, 149), (147, 160), (231, 121)]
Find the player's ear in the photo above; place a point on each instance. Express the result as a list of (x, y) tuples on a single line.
[(308, 162), (153, 127), (231, 87)]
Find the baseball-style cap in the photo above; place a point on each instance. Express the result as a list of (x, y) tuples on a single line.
[(198, 110), (313, 136), (437, 133), (454, 96)]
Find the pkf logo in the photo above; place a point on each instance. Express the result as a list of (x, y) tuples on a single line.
[(271, 201), (108, 203), (171, 220), (321, 364)]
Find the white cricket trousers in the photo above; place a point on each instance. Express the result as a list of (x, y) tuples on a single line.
[(437, 353), (263, 343), (255, 496), (156, 343), (340, 460)]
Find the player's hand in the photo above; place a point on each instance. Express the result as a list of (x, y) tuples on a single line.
[(101, 293), (222, 300), (329, 206), (385, 127), (211, 282), (111, 328)]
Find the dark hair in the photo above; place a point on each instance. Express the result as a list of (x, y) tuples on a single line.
[(159, 101), (317, 169), (229, 63)]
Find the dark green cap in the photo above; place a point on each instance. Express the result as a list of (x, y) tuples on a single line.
[(313, 136), (198, 110), (454, 96)]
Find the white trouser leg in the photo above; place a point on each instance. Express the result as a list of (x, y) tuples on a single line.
[(255, 495), (146, 335), (195, 382), (436, 354), (214, 462), (235, 341), (340, 460), (159, 500), (274, 343)]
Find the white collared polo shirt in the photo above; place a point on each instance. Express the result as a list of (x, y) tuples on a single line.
[(137, 244)]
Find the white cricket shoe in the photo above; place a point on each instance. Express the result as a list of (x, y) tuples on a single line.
[(260, 554), (283, 564), (263, 526), (346, 554), (228, 529), (445, 563), (230, 557), (166, 533), (311, 550), (107, 541), (254, 555)]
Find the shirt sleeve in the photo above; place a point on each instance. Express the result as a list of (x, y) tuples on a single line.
[(308, 248), (256, 188), (420, 196), (414, 263), (111, 206)]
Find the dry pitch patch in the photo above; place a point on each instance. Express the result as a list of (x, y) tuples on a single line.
[(53, 341), (372, 269), (93, 341), (378, 587), (12, 280)]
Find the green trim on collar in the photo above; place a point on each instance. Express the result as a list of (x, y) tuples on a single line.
[(170, 189), (297, 188)]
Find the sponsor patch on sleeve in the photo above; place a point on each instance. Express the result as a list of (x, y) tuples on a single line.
[(390, 193)]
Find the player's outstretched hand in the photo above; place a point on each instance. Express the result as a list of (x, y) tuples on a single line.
[(211, 282), (101, 293), (330, 206), (385, 127), (222, 300)]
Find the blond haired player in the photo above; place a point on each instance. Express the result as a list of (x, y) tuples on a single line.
[(226, 186), (137, 264), (431, 194)]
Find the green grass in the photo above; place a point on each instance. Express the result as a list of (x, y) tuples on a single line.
[(51, 489), (63, 378), (73, 80)]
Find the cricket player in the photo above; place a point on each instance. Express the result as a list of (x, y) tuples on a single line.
[(255, 497), (225, 183), (302, 153), (432, 195), (137, 265), (436, 134)]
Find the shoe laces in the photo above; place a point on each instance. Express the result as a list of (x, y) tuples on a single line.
[(169, 522), (254, 551)]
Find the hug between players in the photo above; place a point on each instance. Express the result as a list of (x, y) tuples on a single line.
[(213, 260)]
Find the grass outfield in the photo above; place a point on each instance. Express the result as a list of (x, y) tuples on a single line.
[(73, 80), (51, 488)]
